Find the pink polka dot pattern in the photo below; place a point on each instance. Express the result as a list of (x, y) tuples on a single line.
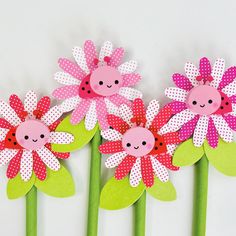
[(111, 147), (131, 79), (116, 57), (16, 104), (115, 159), (231, 120), (205, 67), (117, 123), (79, 56), (111, 135), (71, 68), (200, 131), (177, 107), (147, 171), (233, 99), (228, 77), (166, 160), (130, 93), (118, 100), (44, 104), (14, 165), (217, 72), (136, 174), (66, 92), (176, 94), (102, 114), (139, 111), (159, 170), (90, 54), (106, 50), (212, 135), (128, 67), (124, 168), (39, 167), (26, 165), (91, 117), (182, 82), (187, 129), (230, 89)]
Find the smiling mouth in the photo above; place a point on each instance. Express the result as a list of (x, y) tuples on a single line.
[(34, 140), (202, 105), (136, 147), (109, 86)]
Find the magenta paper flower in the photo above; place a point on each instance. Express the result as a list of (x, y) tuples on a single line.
[(96, 84), (27, 132), (137, 145), (204, 103)]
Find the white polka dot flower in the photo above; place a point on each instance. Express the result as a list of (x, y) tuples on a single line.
[(204, 103), (96, 84), (27, 131)]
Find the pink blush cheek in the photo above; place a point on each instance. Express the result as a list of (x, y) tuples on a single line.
[(96, 87), (215, 104), (149, 146)]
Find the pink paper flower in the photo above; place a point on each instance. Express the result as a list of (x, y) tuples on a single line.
[(137, 145), (96, 84), (204, 103), (26, 134)]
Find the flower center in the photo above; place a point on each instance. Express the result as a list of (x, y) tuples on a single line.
[(32, 134), (203, 100), (138, 141)]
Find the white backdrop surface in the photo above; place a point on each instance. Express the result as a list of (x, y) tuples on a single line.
[(162, 36)]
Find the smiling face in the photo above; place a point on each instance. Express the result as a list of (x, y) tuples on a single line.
[(203, 100), (138, 141), (32, 134), (106, 81)]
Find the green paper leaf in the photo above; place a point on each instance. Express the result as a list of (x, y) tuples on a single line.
[(162, 191), (17, 187), (187, 154), (57, 184), (223, 158), (118, 194), (81, 135)]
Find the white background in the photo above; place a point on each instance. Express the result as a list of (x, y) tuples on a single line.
[(162, 36)]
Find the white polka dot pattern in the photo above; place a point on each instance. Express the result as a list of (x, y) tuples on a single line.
[(217, 72), (159, 170), (223, 128), (126, 114), (90, 54), (171, 148), (30, 102), (80, 111), (9, 114), (152, 111), (230, 89), (66, 79), (192, 72), (69, 104), (233, 113), (61, 138), (111, 107), (52, 115), (111, 135), (102, 114), (106, 50), (176, 94), (6, 155), (128, 67), (115, 159), (91, 117), (3, 133), (200, 131), (136, 174), (79, 56), (26, 165), (130, 93), (49, 159)]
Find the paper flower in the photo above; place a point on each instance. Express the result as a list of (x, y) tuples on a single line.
[(137, 145), (204, 103), (26, 134), (96, 84)]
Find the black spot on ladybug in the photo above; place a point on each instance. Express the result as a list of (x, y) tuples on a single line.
[(227, 103), (86, 82), (13, 134), (156, 139), (89, 91), (9, 140), (15, 143), (161, 144), (222, 98), (156, 148), (221, 107), (83, 88)]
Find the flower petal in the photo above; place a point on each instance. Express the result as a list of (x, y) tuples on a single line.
[(130, 93), (39, 167), (147, 171), (139, 112), (3, 133), (128, 67), (111, 107), (152, 111), (9, 114), (101, 110), (166, 160), (231, 120), (160, 170), (230, 89), (14, 165), (66, 79), (118, 100), (66, 92), (79, 56), (26, 165), (117, 123), (212, 135), (217, 72), (44, 104), (177, 107), (106, 50), (30, 102), (69, 104), (182, 82), (111, 147), (192, 72), (126, 113), (228, 77), (130, 79), (49, 158), (16, 104), (90, 54), (115, 159), (6, 155), (205, 67), (91, 117), (111, 135), (172, 138), (223, 128), (61, 138), (116, 57), (200, 131), (5, 124), (176, 94), (52, 115), (136, 174)]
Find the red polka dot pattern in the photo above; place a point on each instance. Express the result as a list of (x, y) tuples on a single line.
[(111, 147), (172, 138), (147, 171), (5, 124), (14, 165), (17, 105), (117, 123), (182, 82), (204, 67), (39, 167), (139, 112), (44, 105), (166, 160)]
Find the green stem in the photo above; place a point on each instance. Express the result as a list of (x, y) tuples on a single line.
[(140, 216), (200, 198), (31, 212), (94, 188)]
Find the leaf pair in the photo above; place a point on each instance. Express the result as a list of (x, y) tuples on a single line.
[(118, 194), (222, 158), (57, 184)]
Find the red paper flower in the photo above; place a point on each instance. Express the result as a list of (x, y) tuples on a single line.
[(137, 145)]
